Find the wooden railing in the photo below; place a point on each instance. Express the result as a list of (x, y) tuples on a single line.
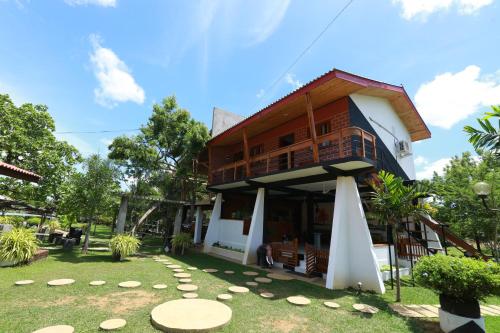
[(348, 142)]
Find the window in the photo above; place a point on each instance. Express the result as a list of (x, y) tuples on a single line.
[(256, 150), (323, 128), (238, 156)]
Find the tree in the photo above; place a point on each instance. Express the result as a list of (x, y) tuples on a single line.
[(487, 138), (393, 201), (27, 140), (91, 193)]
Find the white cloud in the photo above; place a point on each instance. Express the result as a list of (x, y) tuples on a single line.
[(428, 169), (260, 93), (116, 83), (268, 21), (452, 97), (101, 3), (293, 81), (420, 160), (423, 8)]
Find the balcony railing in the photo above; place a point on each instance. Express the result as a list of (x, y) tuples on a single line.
[(348, 142)]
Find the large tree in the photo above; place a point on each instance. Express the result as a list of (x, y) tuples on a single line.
[(27, 140)]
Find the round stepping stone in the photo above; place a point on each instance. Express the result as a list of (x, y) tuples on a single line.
[(267, 295), (112, 324), (185, 280), (210, 270), (263, 280), (192, 268), (224, 297), (173, 266), (299, 300), (60, 282), (190, 295), (281, 277), (250, 273), (229, 272), (182, 275), (24, 282), (331, 305), (56, 329), (178, 270), (187, 287), (190, 315), (129, 284), (251, 284), (160, 286), (162, 260), (97, 283), (365, 308), (238, 289)]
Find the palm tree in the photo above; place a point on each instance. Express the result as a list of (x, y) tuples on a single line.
[(489, 137), (393, 201)]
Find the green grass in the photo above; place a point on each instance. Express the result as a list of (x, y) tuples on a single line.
[(24, 309)]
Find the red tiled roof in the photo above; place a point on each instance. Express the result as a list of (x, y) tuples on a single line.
[(16, 172)]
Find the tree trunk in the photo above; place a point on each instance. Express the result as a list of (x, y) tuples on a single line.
[(396, 262), (95, 226), (87, 237)]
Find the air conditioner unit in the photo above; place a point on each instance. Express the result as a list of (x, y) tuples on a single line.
[(403, 148)]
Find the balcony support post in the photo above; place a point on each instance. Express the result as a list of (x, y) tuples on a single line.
[(312, 127), (246, 153)]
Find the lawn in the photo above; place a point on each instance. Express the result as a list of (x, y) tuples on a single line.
[(24, 309)]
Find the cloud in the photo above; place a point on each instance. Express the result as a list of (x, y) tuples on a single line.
[(268, 21), (420, 160), (260, 93), (290, 79), (423, 8), (452, 97), (116, 83), (101, 3), (428, 169)]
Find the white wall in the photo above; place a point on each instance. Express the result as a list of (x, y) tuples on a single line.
[(381, 110), (231, 234), (256, 232), (212, 234)]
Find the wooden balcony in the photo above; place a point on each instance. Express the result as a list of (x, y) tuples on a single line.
[(344, 144)]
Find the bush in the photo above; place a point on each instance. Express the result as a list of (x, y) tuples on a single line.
[(53, 225), (461, 278), (16, 221), (124, 245), (182, 240), (18, 245)]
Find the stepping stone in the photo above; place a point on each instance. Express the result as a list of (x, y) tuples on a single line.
[(247, 273), (190, 315), (210, 270), (251, 284), (185, 280), (187, 287), (190, 295), (432, 309), (112, 324), (299, 300), (229, 272), (238, 289), (56, 329), (162, 260), (224, 297), (160, 286), (173, 266), (263, 280), (404, 311), (266, 295), (97, 283), (129, 284), (182, 275), (60, 282), (492, 309), (24, 282), (365, 308), (281, 277), (331, 305), (422, 310), (192, 268), (486, 311), (178, 270), (99, 249)]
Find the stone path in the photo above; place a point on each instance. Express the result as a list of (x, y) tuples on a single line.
[(60, 282), (173, 266), (299, 300), (112, 324), (224, 297), (210, 270), (97, 283), (432, 311), (182, 275), (190, 295), (24, 282), (56, 329), (238, 290), (229, 272), (266, 295), (331, 305), (129, 284), (192, 268), (248, 273), (281, 277), (365, 308), (263, 280), (251, 284), (178, 270), (160, 286), (187, 287)]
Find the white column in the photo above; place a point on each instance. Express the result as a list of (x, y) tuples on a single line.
[(178, 221), (197, 225), (256, 232), (352, 258), (212, 234), (122, 215)]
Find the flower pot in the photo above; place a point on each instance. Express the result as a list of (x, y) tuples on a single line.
[(116, 256), (460, 315)]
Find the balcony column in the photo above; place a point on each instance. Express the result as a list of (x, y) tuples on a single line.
[(178, 221), (352, 258), (212, 235), (198, 225), (256, 232), (312, 127), (246, 153)]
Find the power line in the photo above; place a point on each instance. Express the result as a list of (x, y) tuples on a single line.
[(102, 131), (301, 55)]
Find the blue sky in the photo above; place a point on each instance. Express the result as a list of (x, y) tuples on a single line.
[(101, 64)]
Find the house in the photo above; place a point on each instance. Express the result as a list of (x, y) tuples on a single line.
[(294, 175)]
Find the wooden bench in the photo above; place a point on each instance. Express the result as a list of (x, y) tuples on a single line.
[(286, 253)]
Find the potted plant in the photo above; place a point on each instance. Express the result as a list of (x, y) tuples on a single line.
[(17, 246), (123, 246), (182, 241), (460, 283)]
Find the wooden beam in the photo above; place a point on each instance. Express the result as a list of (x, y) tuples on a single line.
[(246, 153), (209, 164), (312, 127)]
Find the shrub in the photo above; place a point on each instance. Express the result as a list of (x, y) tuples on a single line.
[(53, 225), (461, 278), (16, 221), (124, 245), (182, 240), (18, 245)]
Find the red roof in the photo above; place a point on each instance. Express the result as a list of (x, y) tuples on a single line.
[(15, 172)]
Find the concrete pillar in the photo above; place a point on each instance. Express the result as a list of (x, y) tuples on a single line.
[(352, 258), (198, 225), (122, 215), (256, 232), (212, 235), (178, 221)]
